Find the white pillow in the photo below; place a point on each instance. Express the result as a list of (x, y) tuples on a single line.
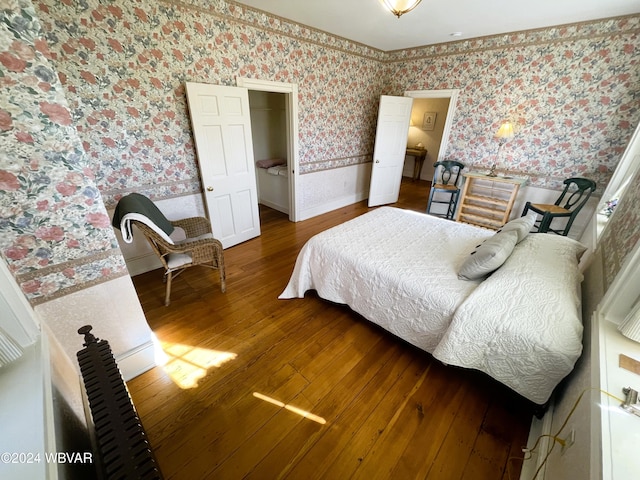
[(489, 256), (522, 226)]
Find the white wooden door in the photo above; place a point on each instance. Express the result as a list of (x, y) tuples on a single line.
[(222, 132), (394, 116)]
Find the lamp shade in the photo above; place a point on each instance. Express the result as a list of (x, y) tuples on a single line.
[(630, 327), (505, 131), (400, 7)]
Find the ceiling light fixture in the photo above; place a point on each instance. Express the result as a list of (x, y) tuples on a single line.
[(400, 7)]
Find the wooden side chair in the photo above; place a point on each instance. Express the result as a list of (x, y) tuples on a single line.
[(445, 180), (575, 194), (179, 244)]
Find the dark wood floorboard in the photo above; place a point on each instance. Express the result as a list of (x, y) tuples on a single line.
[(261, 388)]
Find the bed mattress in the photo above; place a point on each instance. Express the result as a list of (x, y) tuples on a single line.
[(395, 267)]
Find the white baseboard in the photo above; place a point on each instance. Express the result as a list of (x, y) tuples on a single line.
[(275, 206), (137, 361), (142, 264), (539, 427)]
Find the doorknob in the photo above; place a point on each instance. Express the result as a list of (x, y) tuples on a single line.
[(377, 161), (209, 189)]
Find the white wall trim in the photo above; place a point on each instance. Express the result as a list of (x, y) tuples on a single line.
[(143, 264), (137, 360), (597, 345), (26, 387), (627, 166), (624, 291), (265, 85), (48, 406), (293, 147), (539, 427), (275, 206), (18, 318)]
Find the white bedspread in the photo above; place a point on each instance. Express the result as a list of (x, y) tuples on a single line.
[(522, 325), (395, 267), (398, 269)]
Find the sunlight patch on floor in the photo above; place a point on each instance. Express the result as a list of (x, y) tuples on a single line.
[(186, 364), (291, 408)]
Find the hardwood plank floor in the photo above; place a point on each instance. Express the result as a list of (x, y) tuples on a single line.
[(307, 389)]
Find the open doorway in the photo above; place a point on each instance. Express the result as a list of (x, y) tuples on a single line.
[(269, 134), (274, 125), (430, 128), (427, 127)]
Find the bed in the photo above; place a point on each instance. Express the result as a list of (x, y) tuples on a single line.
[(410, 273)]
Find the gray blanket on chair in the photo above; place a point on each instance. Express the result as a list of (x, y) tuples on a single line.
[(141, 205)]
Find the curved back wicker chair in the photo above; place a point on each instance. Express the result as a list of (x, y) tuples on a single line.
[(199, 248)]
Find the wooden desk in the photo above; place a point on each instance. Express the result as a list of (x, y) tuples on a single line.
[(419, 154), (487, 201)]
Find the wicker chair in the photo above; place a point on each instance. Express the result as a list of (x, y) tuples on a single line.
[(199, 248)]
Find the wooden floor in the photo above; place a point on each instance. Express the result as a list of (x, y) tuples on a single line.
[(304, 389)]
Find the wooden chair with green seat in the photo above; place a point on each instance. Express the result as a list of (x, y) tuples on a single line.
[(445, 180), (179, 244), (576, 191)]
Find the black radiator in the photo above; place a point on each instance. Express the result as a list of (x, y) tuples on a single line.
[(122, 449)]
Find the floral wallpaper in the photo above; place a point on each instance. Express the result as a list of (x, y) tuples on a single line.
[(622, 232), (55, 233), (572, 91), (124, 65), (93, 107)]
